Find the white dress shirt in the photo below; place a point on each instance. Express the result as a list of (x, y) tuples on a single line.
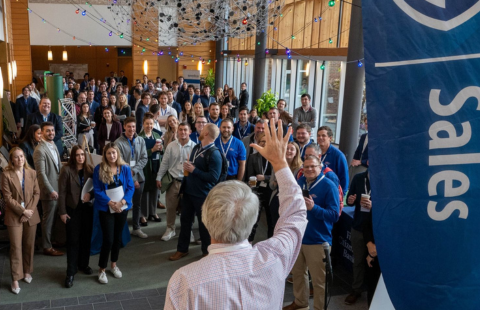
[(239, 276), (173, 159)]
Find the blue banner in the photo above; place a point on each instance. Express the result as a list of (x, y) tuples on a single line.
[(423, 98)]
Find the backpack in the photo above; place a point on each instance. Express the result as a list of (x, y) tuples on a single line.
[(224, 171)]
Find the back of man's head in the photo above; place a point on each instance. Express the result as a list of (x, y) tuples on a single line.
[(230, 211)]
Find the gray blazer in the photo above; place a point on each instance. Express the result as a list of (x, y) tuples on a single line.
[(141, 156), (47, 170)]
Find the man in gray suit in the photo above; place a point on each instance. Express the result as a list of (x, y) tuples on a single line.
[(47, 163)]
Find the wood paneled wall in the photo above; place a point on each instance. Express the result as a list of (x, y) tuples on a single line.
[(298, 20), (100, 62), (205, 50), (21, 44)]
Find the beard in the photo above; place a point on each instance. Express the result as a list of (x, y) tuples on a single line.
[(226, 135)]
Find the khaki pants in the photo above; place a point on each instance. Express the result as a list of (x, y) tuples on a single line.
[(171, 201), (310, 259), (22, 242)]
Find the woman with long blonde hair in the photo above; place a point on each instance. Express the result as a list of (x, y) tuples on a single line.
[(112, 176), (122, 107), (21, 193), (171, 133)]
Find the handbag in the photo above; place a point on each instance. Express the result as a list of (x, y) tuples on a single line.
[(167, 181), (92, 159)]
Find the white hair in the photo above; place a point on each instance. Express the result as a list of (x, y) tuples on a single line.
[(230, 211)]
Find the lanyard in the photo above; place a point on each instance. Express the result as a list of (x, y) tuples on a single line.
[(196, 137), (132, 147), (45, 118), (240, 134), (314, 184), (265, 170), (23, 184), (203, 151), (228, 147), (163, 112), (302, 151), (116, 178), (210, 120), (81, 181), (367, 192)]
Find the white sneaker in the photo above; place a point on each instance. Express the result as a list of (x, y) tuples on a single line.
[(169, 234), (102, 278), (192, 237), (139, 233), (116, 272)]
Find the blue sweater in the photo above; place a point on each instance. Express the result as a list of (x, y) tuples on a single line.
[(205, 176), (335, 160), (324, 213), (99, 189)]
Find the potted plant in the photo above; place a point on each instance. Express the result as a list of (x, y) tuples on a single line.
[(210, 81), (267, 101)]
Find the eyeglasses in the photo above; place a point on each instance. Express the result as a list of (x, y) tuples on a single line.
[(310, 167), (201, 123)]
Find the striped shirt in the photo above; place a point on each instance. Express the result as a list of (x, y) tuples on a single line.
[(239, 276)]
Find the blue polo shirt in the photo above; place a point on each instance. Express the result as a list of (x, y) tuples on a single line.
[(335, 160), (303, 148), (241, 132), (218, 122), (194, 137), (234, 150)]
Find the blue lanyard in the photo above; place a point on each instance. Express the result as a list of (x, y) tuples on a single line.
[(81, 181), (196, 137), (116, 178), (240, 134), (132, 147), (23, 184), (45, 118), (163, 112)]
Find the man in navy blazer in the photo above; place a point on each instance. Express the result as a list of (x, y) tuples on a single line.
[(84, 83), (44, 115), (24, 106)]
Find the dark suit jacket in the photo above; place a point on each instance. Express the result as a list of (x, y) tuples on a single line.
[(28, 149), (123, 80), (37, 118), (83, 85), (13, 195), (115, 133), (244, 98), (255, 167), (82, 124), (180, 98), (69, 189), (23, 110)]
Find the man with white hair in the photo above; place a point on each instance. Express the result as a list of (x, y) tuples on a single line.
[(236, 274)]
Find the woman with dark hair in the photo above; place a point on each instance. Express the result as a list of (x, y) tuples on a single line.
[(85, 126), (225, 90), (113, 104), (232, 102), (76, 212), (224, 112), (110, 129), (30, 142), (154, 146), (112, 177), (98, 116), (21, 193), (187, 115)]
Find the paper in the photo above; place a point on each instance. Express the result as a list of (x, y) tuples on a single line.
[(88, 187), (263, 184), (116, 194), (121, 117), (132, 163)]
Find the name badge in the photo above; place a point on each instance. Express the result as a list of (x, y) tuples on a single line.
[(21, 122), (156, 157), (23, 204), (263, 184), (132, 163)]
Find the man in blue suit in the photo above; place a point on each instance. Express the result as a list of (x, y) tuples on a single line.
[(44, 115), (24, 106), (91, 102), (84, 83)]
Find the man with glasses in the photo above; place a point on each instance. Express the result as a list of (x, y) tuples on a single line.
[(200, 122), (323, 208)]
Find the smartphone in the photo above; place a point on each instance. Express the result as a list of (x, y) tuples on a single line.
[(305, 193)]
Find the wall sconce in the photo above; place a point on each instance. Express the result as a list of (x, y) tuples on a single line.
[(10, 74), (145, 67), (50, 54), (199, 67), (14, 68), (65, 55)]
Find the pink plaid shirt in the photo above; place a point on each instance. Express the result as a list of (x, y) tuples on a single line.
[(239, 276)]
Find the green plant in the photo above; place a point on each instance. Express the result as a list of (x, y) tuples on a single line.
[(210, 81), (267, 101)]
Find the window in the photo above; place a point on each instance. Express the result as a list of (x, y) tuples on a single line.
[(303, 67), (329, 115)]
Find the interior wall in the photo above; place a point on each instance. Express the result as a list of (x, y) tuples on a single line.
[(100, 62), (20, 51)]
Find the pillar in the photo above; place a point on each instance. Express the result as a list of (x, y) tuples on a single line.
[(219, 65), (259, 68), (354, 80)]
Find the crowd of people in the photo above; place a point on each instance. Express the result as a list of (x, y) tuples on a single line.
[(214, 159)]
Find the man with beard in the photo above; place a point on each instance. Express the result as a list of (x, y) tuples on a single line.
[(233, 149), (303, 138), (243, 127), (214, 118), (203, 172)]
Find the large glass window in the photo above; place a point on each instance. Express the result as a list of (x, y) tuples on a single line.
[(331, 95), (303, 67), (286, 80)]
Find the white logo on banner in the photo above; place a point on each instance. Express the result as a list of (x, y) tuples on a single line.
[(434, 23)]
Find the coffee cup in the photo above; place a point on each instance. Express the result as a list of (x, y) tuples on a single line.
[(252, 181), (365, 197)]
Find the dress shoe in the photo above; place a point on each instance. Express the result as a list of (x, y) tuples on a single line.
[(294, 306), (177, 256), (143, 222), (16, 291), (28, 280), (161, 205), (154, 218), (69, 281), (87, 270), (52, 252), (352, 298)]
